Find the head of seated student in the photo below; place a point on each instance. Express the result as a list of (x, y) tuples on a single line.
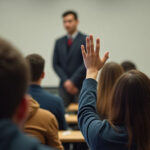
[(108, 76), (36, 63), (130, 107), (128, 65), (14, 77)]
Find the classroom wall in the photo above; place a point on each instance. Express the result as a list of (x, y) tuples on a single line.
[(122, 25)]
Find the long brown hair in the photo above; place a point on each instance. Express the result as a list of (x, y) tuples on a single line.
[(130, 107), (109, 74)]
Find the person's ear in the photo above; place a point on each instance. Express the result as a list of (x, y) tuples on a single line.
[(22, 111), (43, 75)]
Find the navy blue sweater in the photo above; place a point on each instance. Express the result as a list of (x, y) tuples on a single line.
[(98, 134), (49, 102), (11, 138)]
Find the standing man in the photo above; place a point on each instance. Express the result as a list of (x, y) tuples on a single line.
[(67, 59)]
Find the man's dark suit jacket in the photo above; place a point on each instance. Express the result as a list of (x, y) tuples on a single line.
[(68, 63)]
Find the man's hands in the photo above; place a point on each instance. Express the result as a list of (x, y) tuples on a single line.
[(91, 57), (70, 87)]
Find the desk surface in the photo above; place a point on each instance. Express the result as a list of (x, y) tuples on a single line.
[(71, 118), (72, 107), (71, 136)]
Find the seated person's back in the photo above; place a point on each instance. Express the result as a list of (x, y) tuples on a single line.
[(43, 125), (14, 79), (45, 99)]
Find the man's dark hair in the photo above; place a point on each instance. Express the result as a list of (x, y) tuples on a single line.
[(14, 79), (128, 65), (36, 63), (70, 12)]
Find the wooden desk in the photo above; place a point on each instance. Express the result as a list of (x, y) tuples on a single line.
[(71, 119), (71, 136), (72, 107)]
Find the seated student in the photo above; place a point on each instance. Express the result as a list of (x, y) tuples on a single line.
[(45, 99), (14, 75), (42, 124), (128, 65), (128, 125), (108, 76)]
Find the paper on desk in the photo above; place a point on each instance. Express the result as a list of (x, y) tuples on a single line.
[(65, 133)]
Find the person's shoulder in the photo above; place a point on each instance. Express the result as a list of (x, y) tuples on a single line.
[(25, 142), (52, 96), (42, 147), (83, 35), (58, 100), (60, 38), (36, 145), (109, 131), (52, 99), (48, 118), (45, 114)]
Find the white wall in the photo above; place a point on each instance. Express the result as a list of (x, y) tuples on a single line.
[(122, 25)]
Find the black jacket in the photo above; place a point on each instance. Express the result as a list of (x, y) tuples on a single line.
[(68, 64)]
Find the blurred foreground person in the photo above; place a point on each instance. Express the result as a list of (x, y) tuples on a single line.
[(14, 79)]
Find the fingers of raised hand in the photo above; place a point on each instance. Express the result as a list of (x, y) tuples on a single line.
[(106, 56), (88, 45), (97, 46), (91, 44), (83, 51)]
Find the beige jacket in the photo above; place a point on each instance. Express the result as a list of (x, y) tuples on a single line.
[(43, 125)]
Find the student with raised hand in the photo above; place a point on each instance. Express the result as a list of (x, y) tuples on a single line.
[(108, 76), (127, 126), (46, 100), (14, 79)]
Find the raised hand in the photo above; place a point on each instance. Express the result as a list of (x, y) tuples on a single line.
[(92, 60)]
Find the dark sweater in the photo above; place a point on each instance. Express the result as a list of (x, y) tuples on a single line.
[(98, 134), (49, 102), (11, 138)]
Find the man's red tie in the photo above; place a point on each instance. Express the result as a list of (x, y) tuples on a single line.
[(69, 42)]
